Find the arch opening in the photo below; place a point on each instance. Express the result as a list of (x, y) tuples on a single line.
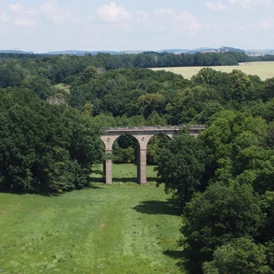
[(125, 159), (124, 150)]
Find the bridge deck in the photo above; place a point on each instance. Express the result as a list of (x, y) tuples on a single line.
[(153, 129)]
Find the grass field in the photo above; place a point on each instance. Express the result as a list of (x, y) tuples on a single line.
[(263, 69), (119, 228)]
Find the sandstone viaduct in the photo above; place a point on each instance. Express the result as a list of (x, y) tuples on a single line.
[(142, 135)]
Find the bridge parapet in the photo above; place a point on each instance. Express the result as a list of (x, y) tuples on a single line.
[(153, 128)]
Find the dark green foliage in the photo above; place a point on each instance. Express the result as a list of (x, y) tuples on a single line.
[(155, 145), (240, 256), (11, 74), (270, 253), (239, 154), (40, 85), (44, 148), (90, 73), (181, 165), (216, 217)]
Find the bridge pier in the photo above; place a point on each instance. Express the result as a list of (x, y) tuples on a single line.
[(142, 166), (108, 168)]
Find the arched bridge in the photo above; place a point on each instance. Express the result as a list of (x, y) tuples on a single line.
[(142, 135)]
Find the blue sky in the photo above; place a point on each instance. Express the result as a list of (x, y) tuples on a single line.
[(48, 25)]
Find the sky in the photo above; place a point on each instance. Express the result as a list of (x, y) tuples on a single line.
[(51, 25)]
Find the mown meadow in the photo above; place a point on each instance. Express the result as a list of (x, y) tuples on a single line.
[(119, 228), (264, 70)]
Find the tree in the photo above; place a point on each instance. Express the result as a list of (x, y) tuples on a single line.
[(181, 165), (89, 74), (44, 148), (219, 215), (150, 102), (40, 85), (12, 74), (240, 256), (242, 86)]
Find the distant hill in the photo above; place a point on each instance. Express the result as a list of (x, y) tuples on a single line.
[(227, 49), (174, 51), (257, 52), (83, 52), (16, 51)]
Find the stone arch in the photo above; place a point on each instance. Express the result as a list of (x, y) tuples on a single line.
[(141, 153)]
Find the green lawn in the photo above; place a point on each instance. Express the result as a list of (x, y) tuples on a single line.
[(119, 228), (263, 69)]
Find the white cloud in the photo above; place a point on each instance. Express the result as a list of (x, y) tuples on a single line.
[(25, 23), (187, 22), (229, 5), (30, 12), (57, 15), (126, 26), (256, 26), (163, 12), (3, 18), (23, 17), (247, 3), (168, 20), (16, 7), (217, 6), (267, 24), (142, 16), (113, 14)]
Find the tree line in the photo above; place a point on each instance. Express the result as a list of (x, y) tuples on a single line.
[(58, 68)]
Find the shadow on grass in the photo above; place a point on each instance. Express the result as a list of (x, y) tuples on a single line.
[(159, 207), (177, 255), (174, 254), (93, 186), (96, 180), (131, 179), (121, 180), (114, 180)]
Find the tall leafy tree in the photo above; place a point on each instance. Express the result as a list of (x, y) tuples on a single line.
[(219, 215), (44, 148), (240, 256), (181, 166)]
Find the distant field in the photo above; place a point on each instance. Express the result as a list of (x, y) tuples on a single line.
[(122, 228), (263, 69)]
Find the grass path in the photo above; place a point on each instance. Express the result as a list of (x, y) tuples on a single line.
[(120, 228)]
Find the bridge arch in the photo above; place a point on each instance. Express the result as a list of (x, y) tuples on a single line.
[(142, 135)]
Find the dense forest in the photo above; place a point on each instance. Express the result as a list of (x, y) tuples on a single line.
[(223, 179)]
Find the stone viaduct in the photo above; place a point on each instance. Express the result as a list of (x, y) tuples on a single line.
[(142, 135)]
